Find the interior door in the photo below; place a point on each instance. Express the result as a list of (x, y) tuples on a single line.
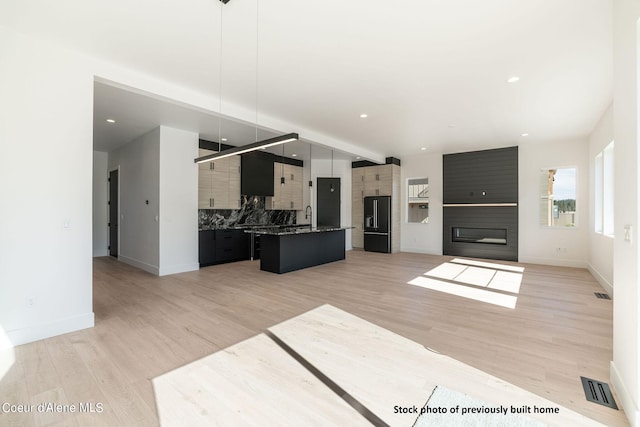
[(113, 213)]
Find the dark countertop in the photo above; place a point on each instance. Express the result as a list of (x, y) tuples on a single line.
[(294, 230), (256, 226)]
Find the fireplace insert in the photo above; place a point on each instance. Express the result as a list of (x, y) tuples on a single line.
[(490, 236)]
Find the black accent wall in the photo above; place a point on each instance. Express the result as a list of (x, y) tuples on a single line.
[(480, 178), (489, 176)]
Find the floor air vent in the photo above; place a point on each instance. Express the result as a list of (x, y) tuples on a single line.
[(602, 296), (598, 392)]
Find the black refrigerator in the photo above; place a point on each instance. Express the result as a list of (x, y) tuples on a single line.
[(377, 224)]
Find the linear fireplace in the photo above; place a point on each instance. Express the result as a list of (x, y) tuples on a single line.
[(481, 231), (489, 236)]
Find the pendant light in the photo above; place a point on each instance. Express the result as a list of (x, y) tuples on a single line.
[(282, 168), (310, 175), (331, 186), (282, 139)]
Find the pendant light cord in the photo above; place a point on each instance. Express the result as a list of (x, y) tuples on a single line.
[(220, 85), (257, 61)]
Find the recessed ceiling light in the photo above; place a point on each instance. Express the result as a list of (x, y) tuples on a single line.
[(423, 148), (111, 121), (294, 155), (524, 134), (513, 79), (223, 139), (358, 157), (364, 116)]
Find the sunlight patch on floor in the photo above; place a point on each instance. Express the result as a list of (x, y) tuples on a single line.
[(496, 279), (475, 276), (496, 298), (488, 265)]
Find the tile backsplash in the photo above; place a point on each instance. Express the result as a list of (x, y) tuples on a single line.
[(251, 212)]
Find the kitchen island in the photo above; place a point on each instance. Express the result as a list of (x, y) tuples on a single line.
[(290, 249)]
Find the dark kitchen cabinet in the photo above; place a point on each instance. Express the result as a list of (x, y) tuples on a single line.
[(488, 176), (206, 247), (232, 245), (257, 174), (220, 246)]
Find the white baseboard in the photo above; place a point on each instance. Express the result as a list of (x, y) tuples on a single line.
[(601, 279), (141, 265), (553, 261), (626, 401), (51, 329), (180, 268), (100, 252), (425, 251)]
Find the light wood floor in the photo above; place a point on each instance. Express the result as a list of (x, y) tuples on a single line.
[(147, 326)]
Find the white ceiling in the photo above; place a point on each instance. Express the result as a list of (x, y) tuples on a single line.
[(429, 73)]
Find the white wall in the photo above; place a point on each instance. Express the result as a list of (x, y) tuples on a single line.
[(422, 238), (538, 244), (100, 206), (624, 367), (321, 168), (139, 174), (600, 246), (46, 138), (178, 188)]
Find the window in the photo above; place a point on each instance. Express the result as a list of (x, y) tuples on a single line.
[(418, 200), (604, 191), (558, 197)]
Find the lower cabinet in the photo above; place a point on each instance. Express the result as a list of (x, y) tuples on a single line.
[(220, 246)]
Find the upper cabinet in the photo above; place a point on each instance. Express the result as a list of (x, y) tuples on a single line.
[(258, 173), (219, 183), (488, 176), (289, 195)]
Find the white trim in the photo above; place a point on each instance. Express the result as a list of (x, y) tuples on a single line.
[(102, 252), (479, 205), (420, 251), (554, 261), (153, 269), (180, 268), (51, 329), (601, 279), (625, 399)]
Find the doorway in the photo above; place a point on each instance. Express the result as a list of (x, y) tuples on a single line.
[(113, 213)]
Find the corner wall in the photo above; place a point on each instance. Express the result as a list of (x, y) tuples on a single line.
[(46, 134), (100, 204), (178, 188), (626, 342), (139, 165), (539, 244), (422, 238), (600, 246)]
